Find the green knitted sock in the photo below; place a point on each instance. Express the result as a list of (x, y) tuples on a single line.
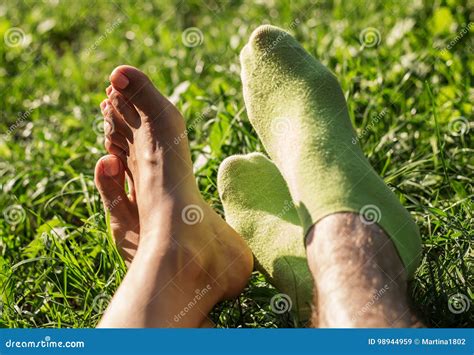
[(299, 112), (258, 205)]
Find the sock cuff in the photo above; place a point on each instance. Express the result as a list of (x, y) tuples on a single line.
[(401, 230)]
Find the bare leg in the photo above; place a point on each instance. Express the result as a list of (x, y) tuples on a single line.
[(359, 278)]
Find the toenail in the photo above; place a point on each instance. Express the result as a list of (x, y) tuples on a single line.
[(120, 80), (111, 166)]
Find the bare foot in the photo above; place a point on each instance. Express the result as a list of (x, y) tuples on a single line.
[(109, 179), (187, 253)]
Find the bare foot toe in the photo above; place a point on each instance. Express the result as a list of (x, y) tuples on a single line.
[(110, 181)]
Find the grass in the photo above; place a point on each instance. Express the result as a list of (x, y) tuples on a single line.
[(409, 94)]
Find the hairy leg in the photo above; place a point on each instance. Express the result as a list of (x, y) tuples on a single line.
[(360, 280)]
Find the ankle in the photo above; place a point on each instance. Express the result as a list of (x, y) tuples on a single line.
[(342, 241)]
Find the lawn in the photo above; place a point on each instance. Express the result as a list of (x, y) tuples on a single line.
[(405, 68)]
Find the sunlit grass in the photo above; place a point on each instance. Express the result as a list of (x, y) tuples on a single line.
[(409, 96)]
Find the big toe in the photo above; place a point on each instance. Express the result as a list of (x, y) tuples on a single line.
[(138, 89), (110, 181)]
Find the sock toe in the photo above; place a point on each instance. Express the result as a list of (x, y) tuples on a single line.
[(258, 205), (236, 171), (265, 37), (238, 166)]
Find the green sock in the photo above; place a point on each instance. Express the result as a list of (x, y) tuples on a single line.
[(258, 205), (297, 108)]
